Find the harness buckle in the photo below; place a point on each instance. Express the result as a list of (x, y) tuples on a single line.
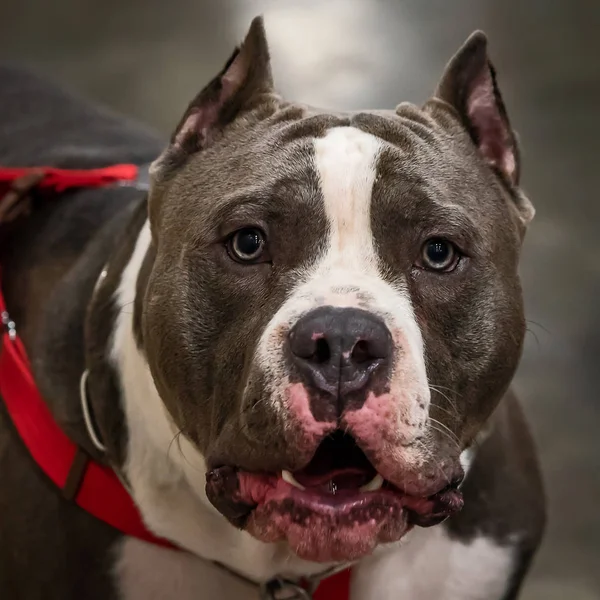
[(9, 326), (282, 589)]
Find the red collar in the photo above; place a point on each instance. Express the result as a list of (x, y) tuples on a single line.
[(94, 487)]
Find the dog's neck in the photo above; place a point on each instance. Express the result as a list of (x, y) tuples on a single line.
[(164, 470)]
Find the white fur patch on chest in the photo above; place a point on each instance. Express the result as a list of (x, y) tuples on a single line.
[(148, 572), (432, 566)]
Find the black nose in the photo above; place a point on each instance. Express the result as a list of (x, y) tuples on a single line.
[(337, 349)]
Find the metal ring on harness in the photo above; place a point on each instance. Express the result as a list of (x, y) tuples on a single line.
[(282, 589), (87, 417)]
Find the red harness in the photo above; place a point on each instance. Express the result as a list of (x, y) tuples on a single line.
[(99, 490)]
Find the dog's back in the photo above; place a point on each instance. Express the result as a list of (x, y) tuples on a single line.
[(42, 124), (47, 261)]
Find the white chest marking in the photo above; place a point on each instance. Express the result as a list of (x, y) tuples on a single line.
[(147, 572), (432, 566)]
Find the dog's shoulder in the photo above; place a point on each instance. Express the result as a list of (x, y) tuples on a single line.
[(505, 502)]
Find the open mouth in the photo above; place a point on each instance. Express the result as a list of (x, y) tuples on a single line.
[(337, 508), (338, 468)]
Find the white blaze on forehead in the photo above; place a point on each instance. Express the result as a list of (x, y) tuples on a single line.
[(346, 161), (347, 274)]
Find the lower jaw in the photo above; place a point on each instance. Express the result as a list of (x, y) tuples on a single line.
[(320, 527), (338, 531)]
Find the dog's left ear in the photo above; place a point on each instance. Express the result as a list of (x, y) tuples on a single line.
[(469, 86)]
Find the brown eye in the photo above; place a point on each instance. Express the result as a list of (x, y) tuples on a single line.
[(247, 245), (439, 255)]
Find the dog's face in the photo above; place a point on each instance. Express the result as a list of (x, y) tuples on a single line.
[(331, 307)]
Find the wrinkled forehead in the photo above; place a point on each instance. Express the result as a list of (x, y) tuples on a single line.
[(335, 165)]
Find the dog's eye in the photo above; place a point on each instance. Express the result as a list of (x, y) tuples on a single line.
[(247, 245), (439, 255)]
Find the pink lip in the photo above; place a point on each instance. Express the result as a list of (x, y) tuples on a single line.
[(327, 510), (261, 489), (325, 527), (319, 526)]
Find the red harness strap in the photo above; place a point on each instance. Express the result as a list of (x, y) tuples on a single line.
[(59, 180), (100, 493)]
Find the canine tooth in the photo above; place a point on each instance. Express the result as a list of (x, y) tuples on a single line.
[(287, 476), (373, 485)]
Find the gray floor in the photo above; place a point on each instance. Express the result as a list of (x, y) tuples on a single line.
[(149, 57)]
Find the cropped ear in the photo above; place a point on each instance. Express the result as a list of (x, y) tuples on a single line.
[(469, 85), (244, 79)]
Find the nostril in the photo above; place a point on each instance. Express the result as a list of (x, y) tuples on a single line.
[(322, 351), (337, 350), (360, 352)]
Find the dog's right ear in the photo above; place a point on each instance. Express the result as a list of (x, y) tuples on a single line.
[(240, 85), (469, 86)]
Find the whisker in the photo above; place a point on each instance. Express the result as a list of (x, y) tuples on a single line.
[(432, 457), (175, 439), (192, 465), (434, 389), (535, 337), (438, 389), (438, 407), (445, 431), (246, 410), (450, 440), (445, 427), (544, 329)]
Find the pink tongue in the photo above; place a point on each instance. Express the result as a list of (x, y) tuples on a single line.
[(332, 481)]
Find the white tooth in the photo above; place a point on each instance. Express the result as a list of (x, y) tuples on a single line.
[(373, 485), (287, 476)]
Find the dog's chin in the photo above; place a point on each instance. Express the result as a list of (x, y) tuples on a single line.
[(336, 509), (322, 527)]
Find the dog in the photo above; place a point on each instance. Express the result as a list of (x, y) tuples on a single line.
[(298, 343)]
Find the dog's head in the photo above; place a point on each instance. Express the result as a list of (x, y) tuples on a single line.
[(332, 308)]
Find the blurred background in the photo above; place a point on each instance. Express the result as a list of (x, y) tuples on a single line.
[(148, 58)]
